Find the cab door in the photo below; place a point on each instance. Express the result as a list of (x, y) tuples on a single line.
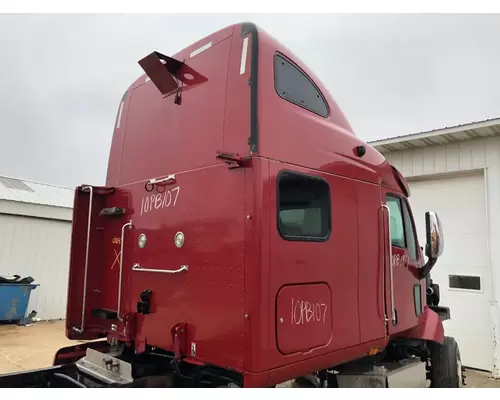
[(403, 288)]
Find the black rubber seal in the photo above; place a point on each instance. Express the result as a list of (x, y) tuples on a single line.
[(246, 29)]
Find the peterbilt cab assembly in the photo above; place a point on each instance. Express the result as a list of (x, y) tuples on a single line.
[(247, 237)]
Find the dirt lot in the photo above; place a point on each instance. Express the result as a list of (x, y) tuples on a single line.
[(31, 347)]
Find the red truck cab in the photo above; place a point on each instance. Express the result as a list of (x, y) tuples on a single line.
[(243, 224)]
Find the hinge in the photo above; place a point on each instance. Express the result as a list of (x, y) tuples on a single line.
[(112, 211), (232, 160)]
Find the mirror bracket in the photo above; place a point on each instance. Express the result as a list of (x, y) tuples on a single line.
[(424, 271)]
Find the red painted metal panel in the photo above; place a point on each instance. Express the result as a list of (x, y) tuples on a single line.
[(303, 318)]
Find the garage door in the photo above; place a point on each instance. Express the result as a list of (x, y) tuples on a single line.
[(40, 248), (462, 271)]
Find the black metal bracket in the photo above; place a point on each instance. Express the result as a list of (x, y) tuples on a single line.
[(112, 211), (232, 160), (170, 75), (144, 306)]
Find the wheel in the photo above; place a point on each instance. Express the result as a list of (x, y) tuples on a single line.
[(229, 385), (305, 382), (446, 366)]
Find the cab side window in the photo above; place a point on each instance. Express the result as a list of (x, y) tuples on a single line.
[(410, 233), (402, 228), (396, 222), (303, 207), (294, 86)]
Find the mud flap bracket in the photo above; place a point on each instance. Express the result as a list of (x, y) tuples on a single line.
[(179, 340)]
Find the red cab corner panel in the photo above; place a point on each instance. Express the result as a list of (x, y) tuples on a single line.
[(430, 327)]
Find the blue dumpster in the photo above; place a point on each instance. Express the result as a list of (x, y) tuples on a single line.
[(14, 298)]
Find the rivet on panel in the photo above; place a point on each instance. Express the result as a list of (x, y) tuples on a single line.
[(246, 316), (249, 217), (282, 320)]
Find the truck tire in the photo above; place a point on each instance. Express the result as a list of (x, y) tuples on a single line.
[(446, 366), (306, 382)]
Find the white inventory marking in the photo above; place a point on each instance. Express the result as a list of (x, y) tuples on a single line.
[(201, 49), (244, 51), (157, 201), (119, 118), (304, 312)]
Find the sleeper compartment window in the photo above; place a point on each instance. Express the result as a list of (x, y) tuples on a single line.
[(303, 207), (296, 87)]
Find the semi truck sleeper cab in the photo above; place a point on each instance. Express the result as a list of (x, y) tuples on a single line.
[(247, 237)]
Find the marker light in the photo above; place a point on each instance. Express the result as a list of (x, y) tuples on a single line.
[(142, 240), (179, 239)]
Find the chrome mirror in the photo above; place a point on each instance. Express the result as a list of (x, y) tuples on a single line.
[(434, 233)]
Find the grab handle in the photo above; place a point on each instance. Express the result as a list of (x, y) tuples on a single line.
[(149, 186), (137, 267), (154, 181), (391, 275), (86, 267), (129, 225)]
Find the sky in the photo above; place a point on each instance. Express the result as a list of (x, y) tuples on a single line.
[(62, 76)]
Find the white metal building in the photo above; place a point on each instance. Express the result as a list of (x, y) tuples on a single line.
[(35, 234), (456, 173)]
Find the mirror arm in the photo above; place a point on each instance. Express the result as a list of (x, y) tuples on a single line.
[(424, 271)]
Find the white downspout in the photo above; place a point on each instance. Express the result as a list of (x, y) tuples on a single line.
[(494, 310)]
